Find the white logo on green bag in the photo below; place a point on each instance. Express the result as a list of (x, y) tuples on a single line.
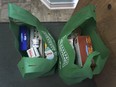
[(49, 41), (64, 54)]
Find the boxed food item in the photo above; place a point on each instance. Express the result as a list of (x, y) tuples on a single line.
[(24, 38), (36, 41), (83, 47), (32, 43)]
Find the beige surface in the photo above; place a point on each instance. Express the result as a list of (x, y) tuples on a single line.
[(4, 7), (37, 9), (44, 14), (106, 25)]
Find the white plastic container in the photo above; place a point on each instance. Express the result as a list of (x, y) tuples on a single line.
[(60, 5)]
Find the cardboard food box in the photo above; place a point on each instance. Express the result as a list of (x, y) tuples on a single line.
[(83, 47)]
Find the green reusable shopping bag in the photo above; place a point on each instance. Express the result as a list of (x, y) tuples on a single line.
[(69, 71), (31, 67)]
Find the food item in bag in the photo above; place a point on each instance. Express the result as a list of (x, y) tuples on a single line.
[(48, 52), (36, 41), (71, 42), (33, 52), (83, 47), (24, 37)]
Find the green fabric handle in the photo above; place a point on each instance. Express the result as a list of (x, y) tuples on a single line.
[(18, 13), (76, 20), (90, 57), (73, 74)]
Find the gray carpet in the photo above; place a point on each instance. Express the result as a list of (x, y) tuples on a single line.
[(9, 57)]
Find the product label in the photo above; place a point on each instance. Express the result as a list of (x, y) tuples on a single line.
[(64, 54), (49, 54), (50, 42)]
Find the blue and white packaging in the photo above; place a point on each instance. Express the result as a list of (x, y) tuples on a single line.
[(24, 37)]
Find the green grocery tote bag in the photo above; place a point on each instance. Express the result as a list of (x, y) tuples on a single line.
[(69, 71), (35, 66)]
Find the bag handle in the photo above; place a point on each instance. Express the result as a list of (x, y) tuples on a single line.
[(79, 18), (89, 61), (90, 57), (16, 12)]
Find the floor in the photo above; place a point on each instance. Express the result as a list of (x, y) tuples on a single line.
[(37, 9)]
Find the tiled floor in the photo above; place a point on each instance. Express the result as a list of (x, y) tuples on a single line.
[(37, 9)]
